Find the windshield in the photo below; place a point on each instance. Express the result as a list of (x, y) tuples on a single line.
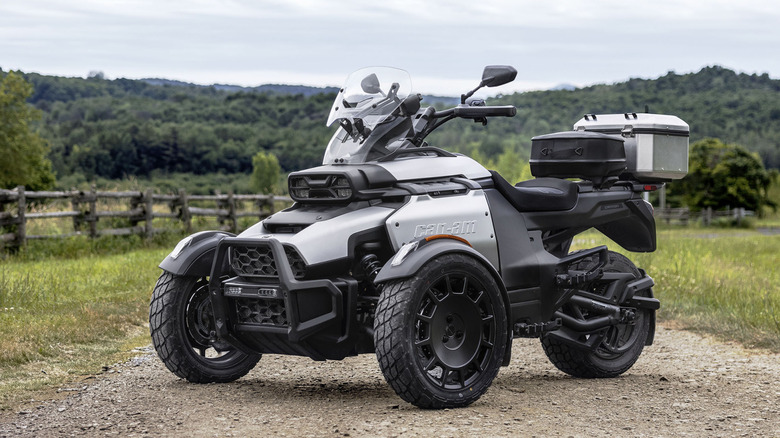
[(369, 98)]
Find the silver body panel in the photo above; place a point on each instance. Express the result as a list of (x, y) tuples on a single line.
[(659, 152), (413, 168), (326, 240), (466, 216)]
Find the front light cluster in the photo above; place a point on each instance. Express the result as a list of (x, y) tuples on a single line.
[(320, 188), (342, 188), (299, 188)]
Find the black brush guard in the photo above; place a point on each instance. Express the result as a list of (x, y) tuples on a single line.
[(302, 321)]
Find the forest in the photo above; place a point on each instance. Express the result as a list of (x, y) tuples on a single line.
[(115, 129)]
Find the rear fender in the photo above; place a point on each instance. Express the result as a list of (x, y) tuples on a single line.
[(195, 254), (635, 232), (427, 250)]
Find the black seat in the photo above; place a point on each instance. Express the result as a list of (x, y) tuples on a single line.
[(540, 194)]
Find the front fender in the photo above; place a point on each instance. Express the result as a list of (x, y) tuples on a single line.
[(196, 255), (420, 256), (415, 260)]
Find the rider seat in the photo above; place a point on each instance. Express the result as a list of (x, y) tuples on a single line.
[(540, 194)]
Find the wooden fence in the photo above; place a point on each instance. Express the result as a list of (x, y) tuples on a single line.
[(139, 215), (684, 215), (227, 209)]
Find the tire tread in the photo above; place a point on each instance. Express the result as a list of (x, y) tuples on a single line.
[(164, 314), (391, 343)]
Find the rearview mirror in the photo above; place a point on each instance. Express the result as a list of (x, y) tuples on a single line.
[(495, 75), (370, 84)]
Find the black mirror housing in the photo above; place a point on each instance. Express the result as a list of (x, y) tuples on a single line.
[(495, 75), (411, 104), (370, 84)]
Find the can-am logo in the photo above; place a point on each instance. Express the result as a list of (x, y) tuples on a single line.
[(456, 228)]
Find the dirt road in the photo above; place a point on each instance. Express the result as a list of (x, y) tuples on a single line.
[(683, 385)]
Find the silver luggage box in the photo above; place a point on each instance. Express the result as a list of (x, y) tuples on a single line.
[(656, 144)]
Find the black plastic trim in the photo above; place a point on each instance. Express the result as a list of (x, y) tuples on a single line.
[(298, 329), (196, 258)]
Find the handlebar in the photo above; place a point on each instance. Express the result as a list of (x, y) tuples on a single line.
[(479, 112), (434, 119), (470, 112)]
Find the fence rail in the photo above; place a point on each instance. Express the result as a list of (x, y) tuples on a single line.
[(226, 208), (706, 216), (140, 213)]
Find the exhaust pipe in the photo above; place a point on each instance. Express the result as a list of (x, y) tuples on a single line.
[(582, 325), (612, 315)]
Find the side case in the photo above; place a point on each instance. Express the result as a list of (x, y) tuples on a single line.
[(578, 154)]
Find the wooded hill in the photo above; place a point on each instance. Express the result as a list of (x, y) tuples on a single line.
[(118, 128), (715, 102)]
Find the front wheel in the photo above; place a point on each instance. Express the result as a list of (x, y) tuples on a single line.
[(181, 322), (440, 336), (622, 343)]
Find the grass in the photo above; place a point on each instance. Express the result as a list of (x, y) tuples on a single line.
[(65, 316), (70, 307)]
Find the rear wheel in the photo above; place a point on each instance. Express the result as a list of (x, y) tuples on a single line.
[(440, 336), (622, 343), (181, 322)]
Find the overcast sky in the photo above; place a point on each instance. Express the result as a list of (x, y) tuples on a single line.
[(443, 44)]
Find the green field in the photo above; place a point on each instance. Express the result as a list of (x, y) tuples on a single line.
[(67, 309), (64, 318)]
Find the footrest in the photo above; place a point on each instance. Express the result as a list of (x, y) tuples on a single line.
[(574, 279), (523, 330)]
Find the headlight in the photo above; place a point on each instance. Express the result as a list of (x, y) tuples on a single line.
[(342, 188), (319, 187), (299, 188)]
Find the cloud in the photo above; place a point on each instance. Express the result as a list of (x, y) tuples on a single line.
[(252, 42)]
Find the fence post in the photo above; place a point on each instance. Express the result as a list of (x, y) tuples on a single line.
[(231, 208), (135, 202), (708, 216), (21, 227), (92, 213), (185, 215), (75, 204), (739, 214), (662, 197), (148, 213)]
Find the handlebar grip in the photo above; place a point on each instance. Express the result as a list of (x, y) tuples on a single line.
[(478, 112)]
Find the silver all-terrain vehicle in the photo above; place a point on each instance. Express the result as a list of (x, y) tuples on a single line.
[(426, 258)]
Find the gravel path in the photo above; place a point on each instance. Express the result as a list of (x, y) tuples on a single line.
[(683, 385)]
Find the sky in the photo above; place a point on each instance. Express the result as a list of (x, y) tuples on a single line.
[(443, 44)]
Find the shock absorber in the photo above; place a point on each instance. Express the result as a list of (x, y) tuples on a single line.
[(371, 266)]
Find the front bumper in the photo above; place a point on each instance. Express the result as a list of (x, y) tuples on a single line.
[(276, 303)]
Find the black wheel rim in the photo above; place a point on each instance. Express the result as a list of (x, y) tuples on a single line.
[(618, 339), (454, 331), (199, 329)]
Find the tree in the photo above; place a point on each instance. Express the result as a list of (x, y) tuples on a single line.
[(23, 151), (265, 172), (508, 164), (724, 175)]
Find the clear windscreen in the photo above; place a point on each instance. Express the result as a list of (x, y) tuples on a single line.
[(369, 97), (371, 94)]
